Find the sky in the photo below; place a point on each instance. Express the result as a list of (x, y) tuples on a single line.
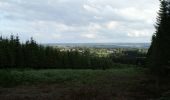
[(79, 21)]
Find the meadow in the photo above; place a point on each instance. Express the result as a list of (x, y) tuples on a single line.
[(14, 77), (121, 83)]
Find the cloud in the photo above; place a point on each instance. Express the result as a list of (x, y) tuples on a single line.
[(80, 20), (112, 25), (138, 34), (56, 36), (89, 36), (91, 8)]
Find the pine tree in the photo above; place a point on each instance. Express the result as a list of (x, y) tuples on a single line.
[(158, 53)]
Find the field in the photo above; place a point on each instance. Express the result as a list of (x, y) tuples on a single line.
[(52, 84)]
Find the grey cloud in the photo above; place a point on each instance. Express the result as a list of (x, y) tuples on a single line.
[(71, 18)]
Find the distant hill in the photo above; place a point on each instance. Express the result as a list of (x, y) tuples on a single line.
[(101, 45)]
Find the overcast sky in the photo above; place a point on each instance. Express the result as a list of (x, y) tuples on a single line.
[(68, 21)]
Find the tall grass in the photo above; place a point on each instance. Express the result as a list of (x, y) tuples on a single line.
[(14, 77)]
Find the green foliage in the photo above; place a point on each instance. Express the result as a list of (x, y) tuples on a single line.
[(129, 56), (13, 54), (14, 77), (158, 54)]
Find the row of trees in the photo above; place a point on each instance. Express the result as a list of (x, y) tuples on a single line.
[(14, 54), (134, 57)]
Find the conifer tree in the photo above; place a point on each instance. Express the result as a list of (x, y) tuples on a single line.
[(159, 51)]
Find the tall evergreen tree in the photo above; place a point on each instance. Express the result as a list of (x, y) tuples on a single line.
[(159, 51)]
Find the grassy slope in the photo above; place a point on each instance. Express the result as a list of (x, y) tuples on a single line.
[(29, 77), (118, 84)]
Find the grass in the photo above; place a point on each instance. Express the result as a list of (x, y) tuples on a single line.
[(14, 77), (120, 83)]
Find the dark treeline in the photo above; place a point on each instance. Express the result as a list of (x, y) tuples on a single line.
[(14, 54), (159, 52), (133, 57)]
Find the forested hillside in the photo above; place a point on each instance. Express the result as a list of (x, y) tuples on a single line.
[(15, 54)]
